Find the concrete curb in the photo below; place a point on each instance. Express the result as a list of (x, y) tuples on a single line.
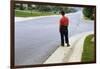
[(69, 54), (18, 19)]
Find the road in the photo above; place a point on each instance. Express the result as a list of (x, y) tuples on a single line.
[(37, 39)]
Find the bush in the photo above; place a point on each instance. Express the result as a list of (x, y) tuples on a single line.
[(88, 12)]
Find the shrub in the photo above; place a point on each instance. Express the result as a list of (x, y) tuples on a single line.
[(88, 12)]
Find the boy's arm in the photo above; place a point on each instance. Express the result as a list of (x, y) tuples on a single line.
[(59, 24), (68, 21)]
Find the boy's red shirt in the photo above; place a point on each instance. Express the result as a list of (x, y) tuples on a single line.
[(64, 21)]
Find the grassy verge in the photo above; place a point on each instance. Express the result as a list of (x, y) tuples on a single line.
[(31, 14), (88, 54)]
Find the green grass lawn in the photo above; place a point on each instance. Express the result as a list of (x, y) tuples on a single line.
[(88, 54), (31, 14)]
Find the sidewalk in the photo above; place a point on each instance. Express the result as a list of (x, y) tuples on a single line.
[(69, 54)]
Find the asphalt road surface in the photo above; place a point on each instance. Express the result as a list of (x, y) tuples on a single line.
[(37, 39)]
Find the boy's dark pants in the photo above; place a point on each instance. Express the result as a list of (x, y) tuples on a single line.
[(64, 34)]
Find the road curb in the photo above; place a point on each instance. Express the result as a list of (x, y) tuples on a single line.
[(69, 54), (18, 19)]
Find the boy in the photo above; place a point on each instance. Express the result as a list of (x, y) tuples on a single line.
[(64, 22)]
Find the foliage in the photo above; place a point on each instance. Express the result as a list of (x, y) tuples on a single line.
[(88, 12), (44, 8)]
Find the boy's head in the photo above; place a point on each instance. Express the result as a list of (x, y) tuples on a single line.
[(62, 13)]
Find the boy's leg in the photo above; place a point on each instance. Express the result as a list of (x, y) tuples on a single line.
[(62, 38), (66, 37)]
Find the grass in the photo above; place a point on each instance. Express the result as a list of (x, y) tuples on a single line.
[(88, 54), (31, 14)]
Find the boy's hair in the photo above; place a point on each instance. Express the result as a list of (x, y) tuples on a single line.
[(62, 13)]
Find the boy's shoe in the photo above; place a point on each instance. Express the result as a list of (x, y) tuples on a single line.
[(62, 45), (68, 45)]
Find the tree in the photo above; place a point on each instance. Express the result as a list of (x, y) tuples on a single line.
[(88, 12), (43, 8), (21, 6)]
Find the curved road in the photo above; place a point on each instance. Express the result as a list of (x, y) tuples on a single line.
[(37, 39)]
